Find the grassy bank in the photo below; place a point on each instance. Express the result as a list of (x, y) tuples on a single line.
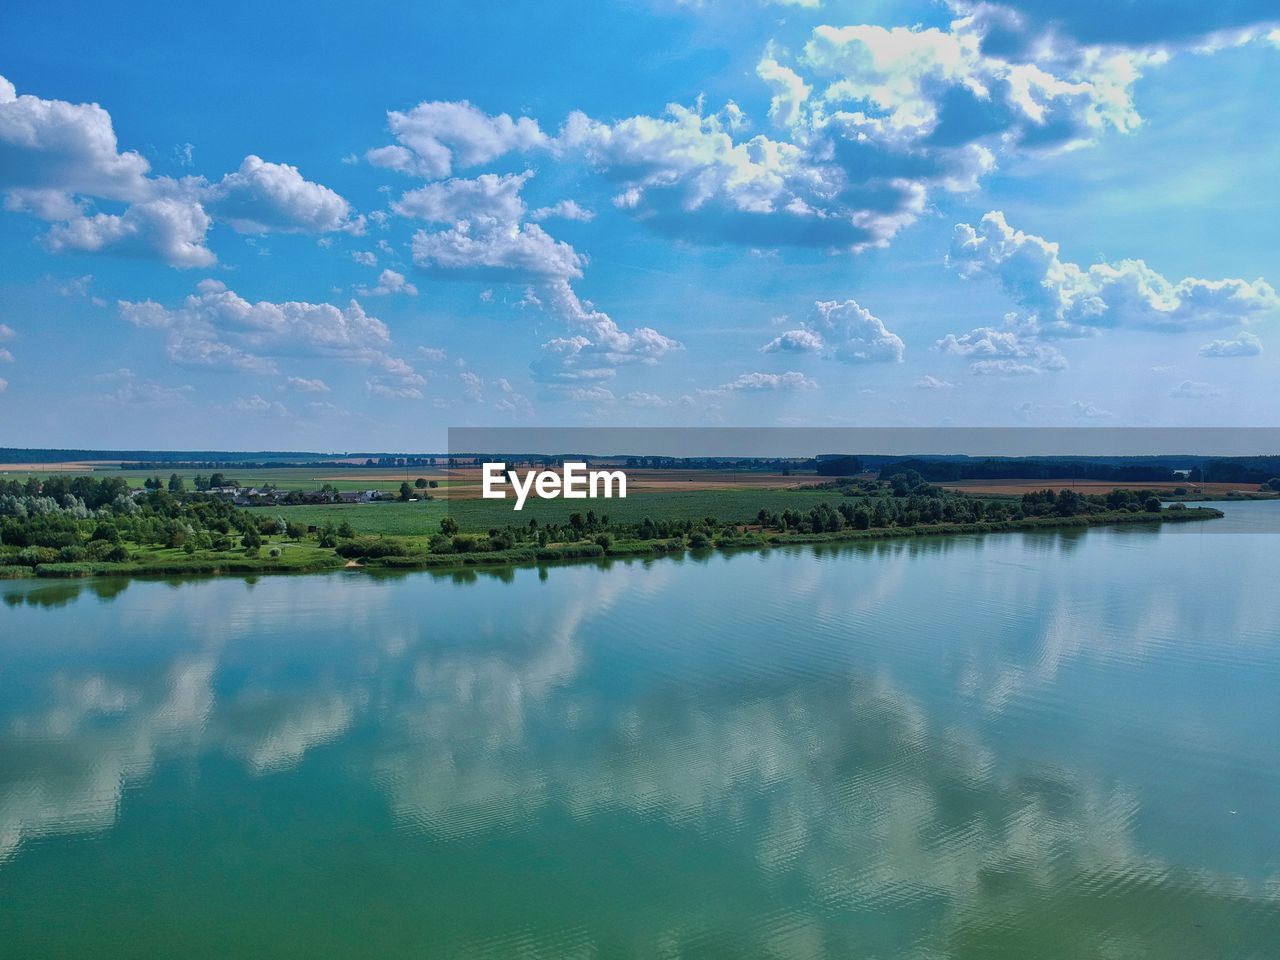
[(302, 557)]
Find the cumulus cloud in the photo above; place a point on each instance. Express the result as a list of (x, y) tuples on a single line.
[(686, 174), (263, 197), (1019, 27), (598, 346), (1063, 299), (1245, 344), (171, 229), (129, 390), (59, 159), (508, 400), (1194, 390), (639, 398), (844, 331), (492, 249), (260, 406), (389, 282), (303, 385), (489, 237), (7, 332), (564, 210), (64, 149), (794, 341), (1085, 410), (366, 258), (217, 327), (993, 352), (488, 198), (928, 382), (435, 137), (758, 382)]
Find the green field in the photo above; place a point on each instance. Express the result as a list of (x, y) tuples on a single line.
[(286, 478), (478, 516)]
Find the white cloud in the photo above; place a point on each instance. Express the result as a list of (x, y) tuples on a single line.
[(599, 344), (133, 392), (492, 249), (217, 327), (854, 334), (794, 341), (264, 197), (638, 398), (5, 356), (564, 210), (1003, 368), (1245, 344), (7, 332), (433, 354), (928, 382), (261, 406), (757, 382), (4, 384), (57, 159), (1089, 411), (487, 198), (65, 148), (1063, 299), (1003, 352), (435, 137), (171, 229), (303, 385), (845, 331), (366, 258), (591, 394), (389, 282), (1194, 390)]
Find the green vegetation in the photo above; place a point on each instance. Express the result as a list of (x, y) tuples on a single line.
[(83, 526)]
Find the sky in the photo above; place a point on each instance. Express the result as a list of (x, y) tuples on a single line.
[(350, 227)]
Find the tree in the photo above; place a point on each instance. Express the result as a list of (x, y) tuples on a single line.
[(175, 483), (1152, 505), (420, 483), (448, 526), (251, 539), (406, 491)]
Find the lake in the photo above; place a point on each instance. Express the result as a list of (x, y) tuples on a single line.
[(1020, 746)]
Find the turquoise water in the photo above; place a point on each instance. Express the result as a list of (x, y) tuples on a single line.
[(1017, 746)]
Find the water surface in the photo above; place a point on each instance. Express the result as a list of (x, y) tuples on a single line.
[(1011, 746)]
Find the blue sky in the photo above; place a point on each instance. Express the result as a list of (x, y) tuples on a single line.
[(338, 228)]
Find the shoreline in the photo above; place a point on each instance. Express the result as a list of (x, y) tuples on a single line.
[(578, 552)]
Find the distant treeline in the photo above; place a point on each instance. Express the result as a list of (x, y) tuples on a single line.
[(1216, 470), (206, 459)]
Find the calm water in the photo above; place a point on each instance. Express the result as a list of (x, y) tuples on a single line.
[(1023, 746)]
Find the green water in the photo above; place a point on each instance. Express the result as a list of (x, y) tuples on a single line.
[(1018, 746)]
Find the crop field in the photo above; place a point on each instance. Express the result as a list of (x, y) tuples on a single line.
[(475, 515), (286, 478), (1013, 487)]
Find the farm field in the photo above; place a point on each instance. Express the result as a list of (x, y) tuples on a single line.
[(476, 516), (1014, 487)]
